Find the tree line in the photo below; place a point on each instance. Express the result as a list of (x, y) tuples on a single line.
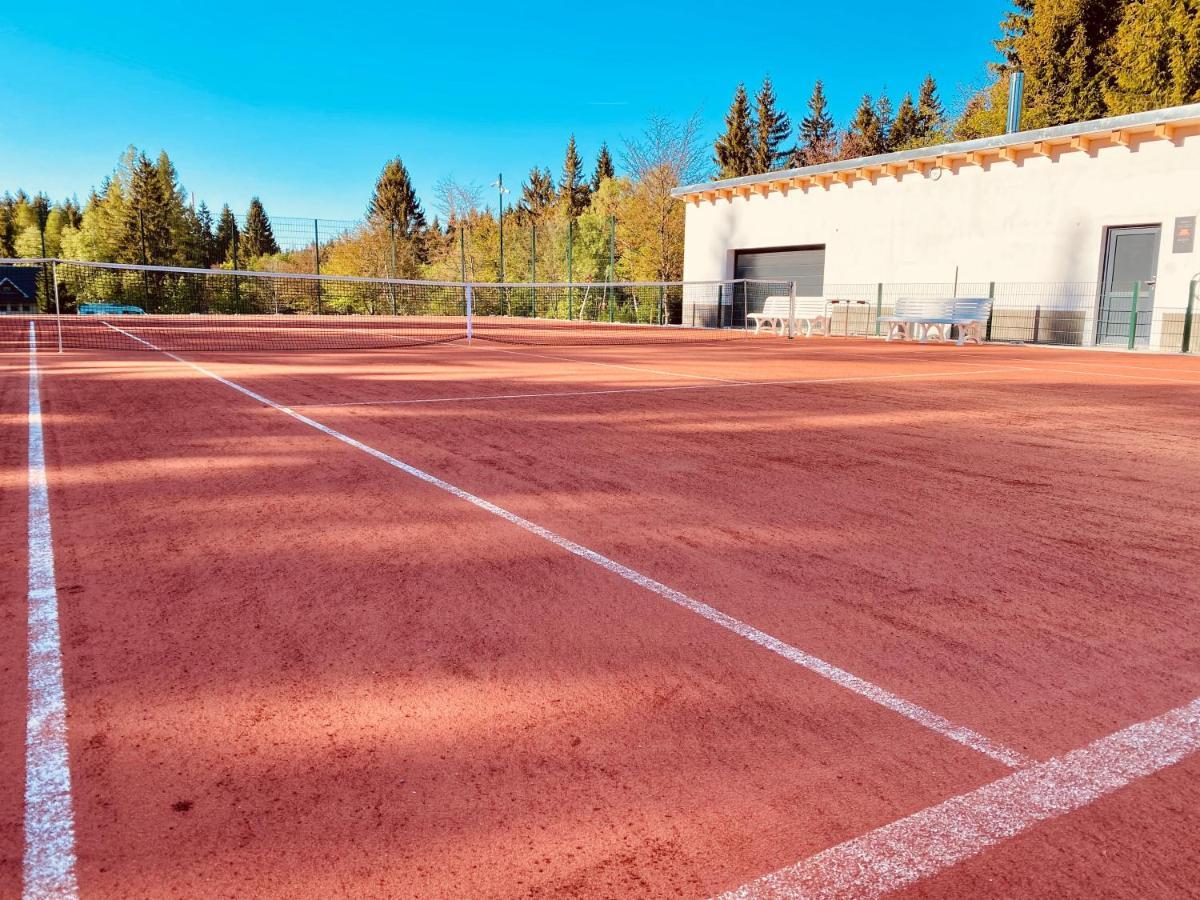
[(601, 221)]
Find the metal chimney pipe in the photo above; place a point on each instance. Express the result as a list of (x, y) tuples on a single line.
[(1016, 94)]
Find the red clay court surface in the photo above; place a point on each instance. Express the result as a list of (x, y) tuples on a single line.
[(915, 618)]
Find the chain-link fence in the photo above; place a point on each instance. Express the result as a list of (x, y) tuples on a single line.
[(1064, 314)]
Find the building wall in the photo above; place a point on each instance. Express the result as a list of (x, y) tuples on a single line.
[(1037, 219)]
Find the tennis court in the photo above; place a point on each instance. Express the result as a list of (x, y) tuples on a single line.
[(827, 617)]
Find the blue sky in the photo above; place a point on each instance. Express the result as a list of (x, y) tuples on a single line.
[(303, 107)]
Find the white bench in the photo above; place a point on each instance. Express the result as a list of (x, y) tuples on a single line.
[(921, 316), (812, 314)]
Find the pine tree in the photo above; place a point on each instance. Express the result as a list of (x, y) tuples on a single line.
[(735, 148), (572, 189), (1156, 56), (864, 136), (227, 236), (604, 168), (537, 195), (931, 115), (394, 202), (772, 128), (818, 133), (257, 238)]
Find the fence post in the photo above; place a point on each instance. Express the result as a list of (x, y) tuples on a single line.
[(662, 304), (470, 311), (791, 323), (570, 266), (878, 306), (1133, 316), (57, 309), (533, 268), (991, 309), (1187, 316), (462, 251), (612, 263), (720, 305), (237, 294), (392, 287), (317, 261), (145, 257)]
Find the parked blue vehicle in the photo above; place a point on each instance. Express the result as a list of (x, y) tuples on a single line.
[(109, 309)]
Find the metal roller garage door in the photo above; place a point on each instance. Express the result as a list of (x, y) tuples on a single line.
[(803, 265)]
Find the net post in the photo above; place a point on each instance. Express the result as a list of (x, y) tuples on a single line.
[(1133, 312), (469, 294), (878, 306), (1187, 316), (57, 308), (791, 322)]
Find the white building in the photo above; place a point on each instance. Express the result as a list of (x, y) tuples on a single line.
[(1059, 224)]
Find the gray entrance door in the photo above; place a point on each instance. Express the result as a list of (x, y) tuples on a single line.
[(777, 267), (1130, 263)]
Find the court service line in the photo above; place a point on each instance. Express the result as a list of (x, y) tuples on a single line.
[(929, 719), (647, 390), (49, 861), (932, 840)]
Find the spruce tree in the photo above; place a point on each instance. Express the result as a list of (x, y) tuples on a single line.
[(394, 202), (772, 128), (1064, 52), (930, 113), (8, 226), (1155, 57), (145, 233), (203, 242), (1014, 24), (817, 133), (572, 189), (864, 137), (735, 148), (887, 118), (906, 129), (227, 235), (604, 167), (537, 195), (257, 237)]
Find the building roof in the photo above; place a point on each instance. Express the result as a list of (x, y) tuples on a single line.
[(1158, 124)]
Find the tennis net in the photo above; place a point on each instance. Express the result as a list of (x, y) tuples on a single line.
[(85, 305)]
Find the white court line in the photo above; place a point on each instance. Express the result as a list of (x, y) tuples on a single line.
[(1044, 369), (934, 839), (649, 390), (931, 720), (49, 864)]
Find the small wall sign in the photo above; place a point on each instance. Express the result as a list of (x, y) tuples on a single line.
[(1185, 234)]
